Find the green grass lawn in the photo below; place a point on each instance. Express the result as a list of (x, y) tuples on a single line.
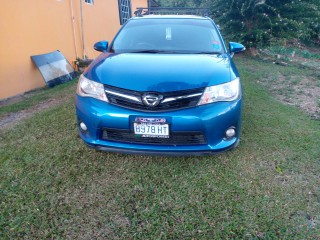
[(40, 95), (53, 186)]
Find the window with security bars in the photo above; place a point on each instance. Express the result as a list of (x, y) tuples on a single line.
[(124, 10), (89, 2)]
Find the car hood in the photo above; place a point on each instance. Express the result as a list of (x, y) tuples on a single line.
[(161, 72)]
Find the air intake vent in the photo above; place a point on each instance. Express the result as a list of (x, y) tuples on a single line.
[(176, 138)]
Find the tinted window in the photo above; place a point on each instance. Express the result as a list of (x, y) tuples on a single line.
[(180, 35)]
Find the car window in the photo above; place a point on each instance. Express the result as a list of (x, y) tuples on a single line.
[(178, 35)]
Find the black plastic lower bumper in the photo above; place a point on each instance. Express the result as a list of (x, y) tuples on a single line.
[(160, 153)]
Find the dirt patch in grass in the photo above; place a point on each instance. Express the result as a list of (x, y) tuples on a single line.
[(20, 107), (21, 97), (292, 80), (14, 117), (303, 92)]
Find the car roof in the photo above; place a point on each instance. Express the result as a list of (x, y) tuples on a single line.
[(171, 17)]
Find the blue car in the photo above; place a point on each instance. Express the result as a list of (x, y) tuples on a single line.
[(166, 85)]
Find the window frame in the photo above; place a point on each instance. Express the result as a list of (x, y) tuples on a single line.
[(123, 19), (89, 2)]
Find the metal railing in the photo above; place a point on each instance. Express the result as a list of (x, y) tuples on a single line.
[(171, 11)]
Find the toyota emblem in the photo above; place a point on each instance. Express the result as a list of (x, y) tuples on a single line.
[(151, 99)]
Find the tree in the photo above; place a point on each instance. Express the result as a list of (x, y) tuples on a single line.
[(180, 3), (260, 22)]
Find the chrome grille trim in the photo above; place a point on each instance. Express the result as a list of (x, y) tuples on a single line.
[(133, 98), (174, 100), (180, 97)]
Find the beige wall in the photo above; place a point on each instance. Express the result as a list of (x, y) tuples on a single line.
[(31, 27)]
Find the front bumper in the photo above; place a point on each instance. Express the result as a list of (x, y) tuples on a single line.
[(212, 120)]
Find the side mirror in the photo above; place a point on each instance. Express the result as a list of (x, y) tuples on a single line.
[(101, 46), (236, 48)]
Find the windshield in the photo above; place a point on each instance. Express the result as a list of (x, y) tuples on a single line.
[(168, 35)]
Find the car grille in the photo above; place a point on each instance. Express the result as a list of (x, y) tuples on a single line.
[(171, 100), (175, 139)]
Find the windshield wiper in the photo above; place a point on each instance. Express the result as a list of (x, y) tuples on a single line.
[(206, 52), (171, 51), (149, 51)]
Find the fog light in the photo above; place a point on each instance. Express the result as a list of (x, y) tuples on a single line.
[(83, 127), (230, 133)]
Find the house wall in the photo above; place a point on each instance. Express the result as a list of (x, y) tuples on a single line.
[(32, 27)]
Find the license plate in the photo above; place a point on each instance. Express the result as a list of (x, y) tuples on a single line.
[(151, 130)]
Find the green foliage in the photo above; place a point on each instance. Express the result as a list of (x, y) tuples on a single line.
[(183, 3), (262, 22)]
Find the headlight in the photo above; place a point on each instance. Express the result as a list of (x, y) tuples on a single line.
[(219, 93), (88, 88)]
